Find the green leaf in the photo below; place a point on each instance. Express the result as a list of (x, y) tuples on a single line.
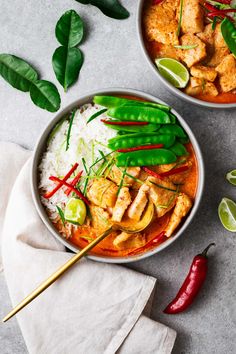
[(228, 31), (17, 72), (69, 29), (67, 63), (110, 8), (45, 95)]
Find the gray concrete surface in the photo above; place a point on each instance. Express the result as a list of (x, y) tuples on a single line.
[(113, 58)]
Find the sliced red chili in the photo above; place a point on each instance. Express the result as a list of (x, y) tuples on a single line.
[(210, 7), (50, 194), (74, 182), (114, 122), (152, 173), (220, 13), (156, 2), (76, 191), (174, 171), (161, 237), (142, 147)]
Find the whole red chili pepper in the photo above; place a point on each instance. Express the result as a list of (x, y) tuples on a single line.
[(142, 147), (192, 284), (114, 122)]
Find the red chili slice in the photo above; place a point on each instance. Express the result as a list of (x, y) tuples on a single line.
[(113, 122), (210, 7), (174, 171), (50, 194), (156, 2), (73, 183), (80, 195), (220, 13), (151, 172), (143, 147), (161, 237)]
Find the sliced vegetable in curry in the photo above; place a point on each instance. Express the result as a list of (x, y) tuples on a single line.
[(142, 184), (196, 41)]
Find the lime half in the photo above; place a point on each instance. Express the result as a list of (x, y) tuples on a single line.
[(227, 214), (173, 71), (75, 211), (231, 177)]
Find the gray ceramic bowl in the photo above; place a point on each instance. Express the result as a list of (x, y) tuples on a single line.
[(40, 148), (173, 89)]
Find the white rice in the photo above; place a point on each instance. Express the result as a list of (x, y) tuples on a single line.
[(85, 142)]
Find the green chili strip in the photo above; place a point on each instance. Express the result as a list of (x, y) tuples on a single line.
[(180, 17), (122, 179), (163, 187), (97, 114), (69, 130), (134, 178), (61, 214)]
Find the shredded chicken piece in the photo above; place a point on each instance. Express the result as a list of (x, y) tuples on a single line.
[(115, 174), (163, 195), (160, 22), (138, 205), (100, 219), (183, 205), (102, 192), (195, 55), (203, 72), (126, 241), (192, 17), (198, 86), (227, 73), (122, 203)]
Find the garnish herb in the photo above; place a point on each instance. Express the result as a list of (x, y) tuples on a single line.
[(180, 17), (69, 130), (22, 76), (163, 187), (122, 180), (61, 214), (186, 46), (110, 8), (67, 60), (97, 114), (214, 22)]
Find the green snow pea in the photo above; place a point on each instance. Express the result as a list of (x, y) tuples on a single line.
[(133, 140), (139, 114), (112, 101), (145, 158), (178, 149), (184, 140), (228, 31), (173, 129), (149, 128), (172, 118)]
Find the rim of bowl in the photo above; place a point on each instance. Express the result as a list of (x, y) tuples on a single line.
[(173, 89), (40, 148)]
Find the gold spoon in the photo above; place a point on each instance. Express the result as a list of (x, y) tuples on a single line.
[(141, 225)]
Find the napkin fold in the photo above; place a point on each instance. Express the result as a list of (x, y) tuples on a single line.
[(95, 308)]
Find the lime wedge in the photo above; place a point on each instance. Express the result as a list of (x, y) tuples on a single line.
[(227, 214), (231, 177), (75, 211), (173, 71)]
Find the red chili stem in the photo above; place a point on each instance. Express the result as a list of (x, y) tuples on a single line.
[(50, 194), (156, 240), (143, 147), (174, 171), (152, 173), (78, 193), (73, 183), (113, 122), (191, 285)]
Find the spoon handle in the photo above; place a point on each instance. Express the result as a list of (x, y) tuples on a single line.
[(43, 286)]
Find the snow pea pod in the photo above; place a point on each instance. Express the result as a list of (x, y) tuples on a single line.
[(112, 101), (228, 31), (149, 128), (179, 149), (184, 140), (139, 114), (173, 129), (145, 158), (133, 140)]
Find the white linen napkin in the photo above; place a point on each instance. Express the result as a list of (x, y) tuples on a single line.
[(95, 308)]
